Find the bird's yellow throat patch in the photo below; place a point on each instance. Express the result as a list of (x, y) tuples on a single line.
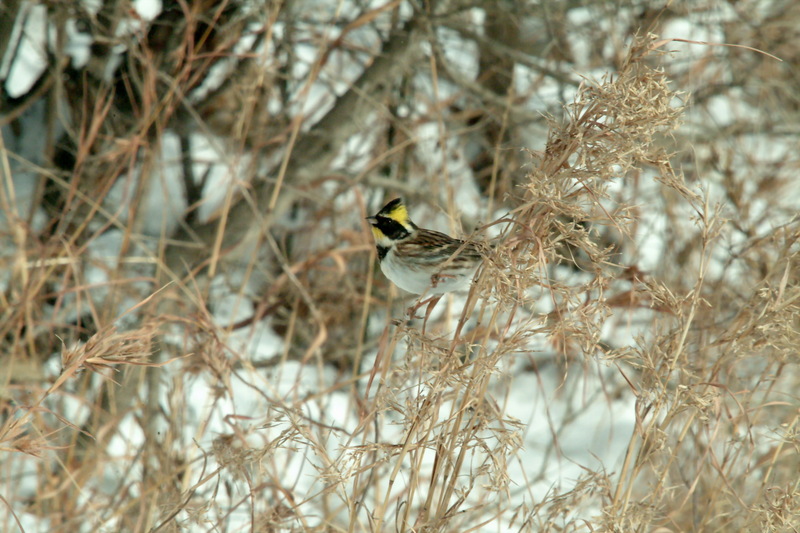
[(378, 234)]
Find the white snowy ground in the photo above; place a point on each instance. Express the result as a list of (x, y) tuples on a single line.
[(598, 427)]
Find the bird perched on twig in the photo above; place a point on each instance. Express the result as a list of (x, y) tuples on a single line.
[(419, 260)]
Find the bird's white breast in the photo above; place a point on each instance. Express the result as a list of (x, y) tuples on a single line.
[(419, 281)]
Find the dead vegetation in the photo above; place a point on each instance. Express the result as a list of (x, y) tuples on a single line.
[(242, 365)]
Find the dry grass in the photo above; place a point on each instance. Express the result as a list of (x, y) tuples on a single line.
[(247, 368)]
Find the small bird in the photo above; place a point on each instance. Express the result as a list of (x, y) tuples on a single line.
[(419, 260)]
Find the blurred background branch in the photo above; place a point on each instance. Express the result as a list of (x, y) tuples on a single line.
[(194, 333)]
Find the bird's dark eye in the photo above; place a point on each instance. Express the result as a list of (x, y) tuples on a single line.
[(392, 228)]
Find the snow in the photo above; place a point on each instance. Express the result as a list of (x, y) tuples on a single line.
[(78, 45), (147, 9), (596, 438), (31, 61), (570, 417)]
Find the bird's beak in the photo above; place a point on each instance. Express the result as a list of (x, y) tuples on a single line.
[(372, 220)]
